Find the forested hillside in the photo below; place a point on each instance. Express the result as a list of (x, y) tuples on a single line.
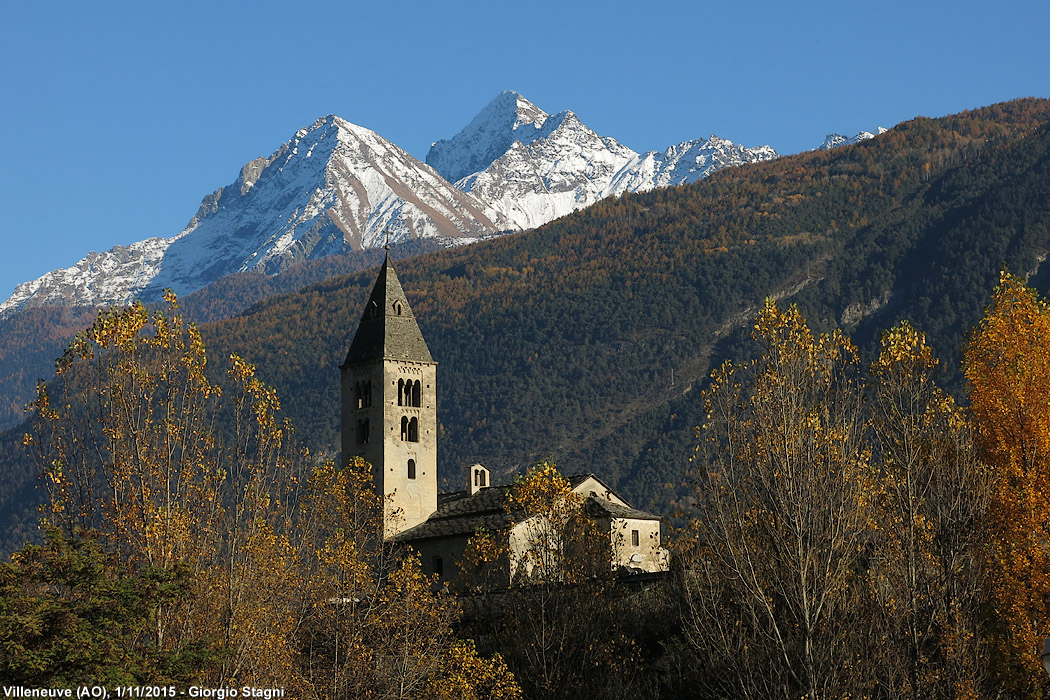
[(30, 341), (583, 340), (586, 340)]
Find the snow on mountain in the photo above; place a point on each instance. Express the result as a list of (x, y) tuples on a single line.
[(687, 162), (505, 120), (533, 167), (836, 140), (333, 187), (561, 167), (336, 187)]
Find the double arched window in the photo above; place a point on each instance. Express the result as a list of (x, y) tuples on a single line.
[(410, 429), (409, 393), (364, 394)]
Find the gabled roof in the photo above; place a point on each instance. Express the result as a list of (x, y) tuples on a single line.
[(387, 328), (460, 513), (600, 507)]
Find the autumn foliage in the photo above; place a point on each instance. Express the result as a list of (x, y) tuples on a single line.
[(1008, 366), (835, 545), (852, 532), (231, 555)]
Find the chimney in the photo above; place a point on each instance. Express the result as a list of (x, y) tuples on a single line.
[(477, 478)]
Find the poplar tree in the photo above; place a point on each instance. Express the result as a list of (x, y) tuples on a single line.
[(1007, 364), (930, 499), (781, 509)]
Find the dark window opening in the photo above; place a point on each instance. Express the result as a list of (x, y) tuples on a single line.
[(417, 394), (364, 394), (411, 469), (404, 427), (479, 478), (362, 432), (438, 565), (397, 308), (634, 537), (400, 392), (413, 430)]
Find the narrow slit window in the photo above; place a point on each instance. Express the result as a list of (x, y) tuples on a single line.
[(634, 538), (411, 469)]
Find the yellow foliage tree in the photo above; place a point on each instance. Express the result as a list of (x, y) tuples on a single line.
[(1007, 363), (463, 674), (928, 515), (781, 508), (291, 582), (377, 627), (132, 444)]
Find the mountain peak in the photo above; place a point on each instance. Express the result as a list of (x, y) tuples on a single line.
[(512, 104), (333, 187), (506, 119), (836, 140)]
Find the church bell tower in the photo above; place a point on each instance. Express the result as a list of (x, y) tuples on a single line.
[(389, 414)]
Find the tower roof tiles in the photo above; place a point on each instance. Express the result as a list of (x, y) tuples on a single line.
[(388, 330)]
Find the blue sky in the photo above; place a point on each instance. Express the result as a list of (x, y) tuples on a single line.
[(118, 118)]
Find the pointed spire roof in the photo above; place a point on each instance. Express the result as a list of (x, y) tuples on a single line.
[(388, 329)]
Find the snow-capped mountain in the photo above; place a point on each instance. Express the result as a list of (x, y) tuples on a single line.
[(333, 187), (505, 120), (687, 162), (533, 167), (836, 140), (549, 165)]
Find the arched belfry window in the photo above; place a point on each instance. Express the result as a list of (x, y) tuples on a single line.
[(400, 392), (411, 469), (404, 427), (398, 308), (364, 394), (417, 394), (413, 430)]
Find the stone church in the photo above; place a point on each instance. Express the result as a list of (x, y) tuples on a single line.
[(389, 418)]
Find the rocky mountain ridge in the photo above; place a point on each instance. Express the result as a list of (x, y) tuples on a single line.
[(336, 187), (534, 167), (836, 140), (332, 188)]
